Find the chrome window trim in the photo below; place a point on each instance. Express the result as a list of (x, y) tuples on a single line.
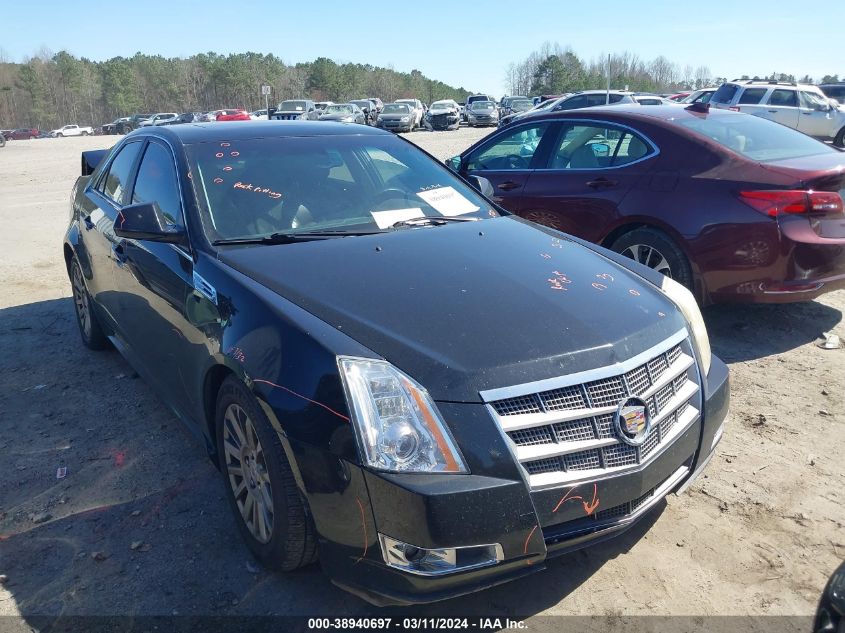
[(623, 367), (654, 153)]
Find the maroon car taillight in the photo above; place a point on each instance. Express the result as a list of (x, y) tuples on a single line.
[(783, 202)]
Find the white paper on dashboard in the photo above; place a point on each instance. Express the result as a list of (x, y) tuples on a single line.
[(386, 219), (447, 201)]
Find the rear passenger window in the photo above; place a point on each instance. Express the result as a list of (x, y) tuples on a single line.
[(787, 98), (596, 147), (114, 182), (573, 103), (725, 93), (156, 182), (752, 96)]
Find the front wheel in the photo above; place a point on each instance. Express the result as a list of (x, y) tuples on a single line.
[(655, 249), (261, 488), (839, 141)]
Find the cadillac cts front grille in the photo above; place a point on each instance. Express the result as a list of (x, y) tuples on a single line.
[(566, 432)]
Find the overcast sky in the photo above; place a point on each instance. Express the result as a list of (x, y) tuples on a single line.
[(461, 42)]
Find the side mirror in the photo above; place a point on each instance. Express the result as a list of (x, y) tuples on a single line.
[(145, 221), (454, 164), (482, 185)]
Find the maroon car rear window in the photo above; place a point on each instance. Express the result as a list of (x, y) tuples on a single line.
[(758, 139)]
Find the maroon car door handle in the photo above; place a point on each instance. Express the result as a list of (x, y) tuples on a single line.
[(601, 183), (508, 185)]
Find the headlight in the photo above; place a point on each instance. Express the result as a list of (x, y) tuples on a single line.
[(683, 298), (347, 119), (405, 119), (398, 426)]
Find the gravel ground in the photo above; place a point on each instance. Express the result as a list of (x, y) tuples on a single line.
[(139, 525)]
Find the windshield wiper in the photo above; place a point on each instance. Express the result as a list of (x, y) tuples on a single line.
[(431, 221), (287, 238)]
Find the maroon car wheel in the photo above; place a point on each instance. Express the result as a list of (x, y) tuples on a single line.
[(655, 249)]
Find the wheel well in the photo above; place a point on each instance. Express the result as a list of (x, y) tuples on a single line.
[(619, 231), (68, 256), (213, 381)]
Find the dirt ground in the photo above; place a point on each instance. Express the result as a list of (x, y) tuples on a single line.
[(139, 525)]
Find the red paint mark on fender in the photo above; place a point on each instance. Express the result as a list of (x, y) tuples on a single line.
[(219, 155), (119, 458), (558, 280), (224, 144), (122, 218), (661, 314), (299, 395), (605, 277), (634, 293), (364, 526), (599, 286), (589, 508), (217, 181), (227, 168), (235, 154), (545, 256), (238, 354), (525, 547)]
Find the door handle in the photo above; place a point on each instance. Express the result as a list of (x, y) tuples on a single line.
[(773, 111), (118, 254), (508, 185), (807, 113), (88, 223), (601, 183)]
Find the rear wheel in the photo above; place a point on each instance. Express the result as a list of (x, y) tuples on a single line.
[(89, 327), (839, 141), (261, 488), (655, 249)]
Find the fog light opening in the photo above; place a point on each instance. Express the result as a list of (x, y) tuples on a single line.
[(435, 562)]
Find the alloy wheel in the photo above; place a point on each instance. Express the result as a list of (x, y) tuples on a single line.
[(649, 256), (246, 470), (80, 301)]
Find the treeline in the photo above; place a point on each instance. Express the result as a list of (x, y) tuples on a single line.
[(49, 90), (554, 69)]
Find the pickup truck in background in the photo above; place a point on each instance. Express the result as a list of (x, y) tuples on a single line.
[(72, 130)]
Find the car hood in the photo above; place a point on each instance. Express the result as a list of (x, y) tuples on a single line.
[(394, 115), (468, 307), (339, 116), (442, 111)]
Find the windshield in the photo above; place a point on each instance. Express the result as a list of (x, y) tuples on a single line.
[(362, 104), (442, 105), (257, 187), (758, 139), (338, 109), (396, 108), (482, 105), (521, 105), (288, 106)]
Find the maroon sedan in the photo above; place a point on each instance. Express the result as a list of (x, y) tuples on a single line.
[(735, 207)]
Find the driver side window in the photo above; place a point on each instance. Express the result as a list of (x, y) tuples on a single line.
[(511, 151)]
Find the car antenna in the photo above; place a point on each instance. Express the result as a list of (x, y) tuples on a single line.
[(699, 107)]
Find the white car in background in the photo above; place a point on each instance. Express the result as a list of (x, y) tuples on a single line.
[(162, 118), (416, 108), (258, 115), (72, 130)]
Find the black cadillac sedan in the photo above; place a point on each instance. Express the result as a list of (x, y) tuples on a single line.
[(392, 373)]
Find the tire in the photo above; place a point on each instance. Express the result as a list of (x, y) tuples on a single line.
[(89, 327), (60, 135), (84, 133), (839, 141), (2, 141), (288, 539), (658, 251)]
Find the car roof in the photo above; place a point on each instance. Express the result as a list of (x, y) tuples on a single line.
[(189, 133), (630, 112)]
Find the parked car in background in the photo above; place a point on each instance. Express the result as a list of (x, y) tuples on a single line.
[(442, 115), (322, 105), (296, 110), (344, 113), (125, 125), (516, 106), (649, 99), (482, 114), (699, 96), (417, 108), (396, 117), (317, 340), (800, 106), (472, 98), (72, 130), (117, 126), (834, 91), (379, 105), (505, 103), (541, 106), (24, 133), (186, 117), (830, 613), (234, 115), (161, 118), (367, 108), (680, 96), (732, 206), (462, 110), (2, 139)]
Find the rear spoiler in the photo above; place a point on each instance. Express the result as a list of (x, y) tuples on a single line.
[(92, 159)]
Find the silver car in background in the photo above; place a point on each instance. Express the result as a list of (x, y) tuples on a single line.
[(396, 117), (482, 113), (343, 113)]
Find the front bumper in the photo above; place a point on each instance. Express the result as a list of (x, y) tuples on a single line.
[(442, 511), (395, 126)]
